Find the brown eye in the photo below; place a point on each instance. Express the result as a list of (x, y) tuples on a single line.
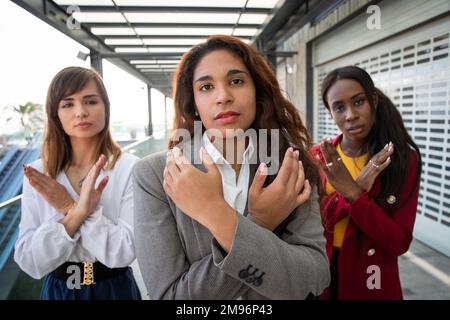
[(236, 81), (338, 109), (66, 105), (206, 87)]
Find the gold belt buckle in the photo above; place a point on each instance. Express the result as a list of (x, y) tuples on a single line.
[(88, 274)]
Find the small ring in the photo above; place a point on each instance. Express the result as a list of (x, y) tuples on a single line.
[(373, 164), (329, 164)]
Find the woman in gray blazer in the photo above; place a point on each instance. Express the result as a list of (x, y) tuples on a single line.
[(216, 217)]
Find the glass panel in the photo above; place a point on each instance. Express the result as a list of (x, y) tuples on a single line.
[(124, 41), (183, 3), (127, 49), (252, 18), (168, 49), (154, 61), (92, 17), (155, 66), (182, 31), (112, 31), (181, 17), (245, 31), (84, 2), (186, 41), (261, 3)]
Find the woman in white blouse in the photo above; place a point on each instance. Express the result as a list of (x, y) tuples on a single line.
[(77, 205)]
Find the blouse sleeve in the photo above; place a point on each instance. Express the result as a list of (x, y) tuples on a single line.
[(42, 246)]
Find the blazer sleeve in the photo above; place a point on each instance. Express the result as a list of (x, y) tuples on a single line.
[(392, 232), (166, 271), (288, 267), (43, 244)]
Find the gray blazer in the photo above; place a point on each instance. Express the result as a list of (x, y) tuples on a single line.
[(180, 259)]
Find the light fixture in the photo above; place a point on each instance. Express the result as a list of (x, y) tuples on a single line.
[(289, 69), (83, 56)]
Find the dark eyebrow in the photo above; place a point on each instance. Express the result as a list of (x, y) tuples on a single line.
[(353, 97), (232, 72), (203, 78), (85, 97), (357, 95)]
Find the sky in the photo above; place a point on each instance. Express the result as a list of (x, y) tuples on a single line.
[(32, 52)]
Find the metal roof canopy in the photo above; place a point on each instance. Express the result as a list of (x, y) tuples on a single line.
[(146, 38)]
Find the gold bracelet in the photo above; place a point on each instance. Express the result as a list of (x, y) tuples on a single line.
[(74, 204)]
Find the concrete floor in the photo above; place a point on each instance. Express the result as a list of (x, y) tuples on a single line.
[(424, 273)]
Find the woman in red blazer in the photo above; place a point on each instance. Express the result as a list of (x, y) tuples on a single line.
[(370, 175)]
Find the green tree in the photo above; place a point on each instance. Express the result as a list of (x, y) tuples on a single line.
[(30, 115)]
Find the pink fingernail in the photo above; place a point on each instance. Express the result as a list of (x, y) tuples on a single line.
[(261, 167), (300, 163)]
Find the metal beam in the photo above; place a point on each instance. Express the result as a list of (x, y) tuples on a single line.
[(309, 14), (285, 11), (130, 9), (280, 54), (165, 112), (96, 63), (150, 124)]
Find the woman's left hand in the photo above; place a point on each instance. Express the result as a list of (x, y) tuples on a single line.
[(52, 191), (337, 174), (195, 192)]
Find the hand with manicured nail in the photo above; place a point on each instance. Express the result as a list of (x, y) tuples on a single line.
[(89, 195), (272, 204), (337, 173), (374, 167), (195, 192), (200, 195), (51, 190)]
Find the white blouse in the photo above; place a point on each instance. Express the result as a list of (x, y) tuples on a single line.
[(234, 190), (106, 235)]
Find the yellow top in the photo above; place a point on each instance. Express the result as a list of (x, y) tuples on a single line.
[(354, 166)]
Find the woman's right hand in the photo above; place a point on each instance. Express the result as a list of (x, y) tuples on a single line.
[(89, 195), (269, 206), (89, 198), (374, 167)]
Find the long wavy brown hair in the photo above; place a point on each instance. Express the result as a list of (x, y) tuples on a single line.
[(56, 150), (273, 110)]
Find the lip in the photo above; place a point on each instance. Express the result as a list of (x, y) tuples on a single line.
[(226, 117), (83, 125), (355, 129)]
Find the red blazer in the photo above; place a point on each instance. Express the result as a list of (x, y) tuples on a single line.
[(385, 232)]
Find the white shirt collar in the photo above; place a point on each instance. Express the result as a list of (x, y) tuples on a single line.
[(218, 157)]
